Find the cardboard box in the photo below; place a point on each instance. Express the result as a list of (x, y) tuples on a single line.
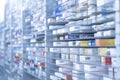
[(69, 77), (106, 60), (65, 70), (65, 50), (102, 51), (71, 43), (92, 77), (60, 43), (62, 38), (73, 57), (64, 30), (74, 50), (74, 28), (111, 52), (78, 66), (105, 42), (98, 34), (63, 76), (63, 56), (81, 50), (114, 61), (79, 75), (54, 77), (63, 63), (97, 69), (54, 32), (59, 31), (90, 59), (92, 51), (82, 43), (91, 43), (109, 33), (71, 36), (55, 50)]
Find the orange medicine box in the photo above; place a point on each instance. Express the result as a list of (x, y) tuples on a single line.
[(104, 42)]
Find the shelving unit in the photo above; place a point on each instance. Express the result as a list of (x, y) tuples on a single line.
[(13, 40), (83, 40), (34, 43)]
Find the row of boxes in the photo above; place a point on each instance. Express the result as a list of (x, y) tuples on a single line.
[(90, 59), (96, 42), (37, 44), (86, 51), (73, 36), (83, 7), (72, 29), (106, 60), (105, 33), (104, 26), (78, 74)]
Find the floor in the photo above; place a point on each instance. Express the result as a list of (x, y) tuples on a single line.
[(26, 76)]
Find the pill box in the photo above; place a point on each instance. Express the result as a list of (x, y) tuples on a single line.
[(71, 43), (60, 43), (71, 36), (92, 77), (90, 59), (94, 68), (78, 66), (82, 43), (102, 51), (55, 50), (106, 60), (104, 42), (65, 50), (74, 50), (109, 33), (78, 75)]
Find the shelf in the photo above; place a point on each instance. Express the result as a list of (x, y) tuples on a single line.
[(35, 42), (37, 46), (91, 38), (76, 32), (102, 21), (81, 54), (85, 63), (58, 23), (102, 12), (105, 29), (100, 74), (78, 18), (82, 46)]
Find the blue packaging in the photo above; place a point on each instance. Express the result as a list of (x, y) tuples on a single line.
[(71, 36), (91, 43)]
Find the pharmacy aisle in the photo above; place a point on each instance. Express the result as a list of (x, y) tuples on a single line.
[(61, 40)]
